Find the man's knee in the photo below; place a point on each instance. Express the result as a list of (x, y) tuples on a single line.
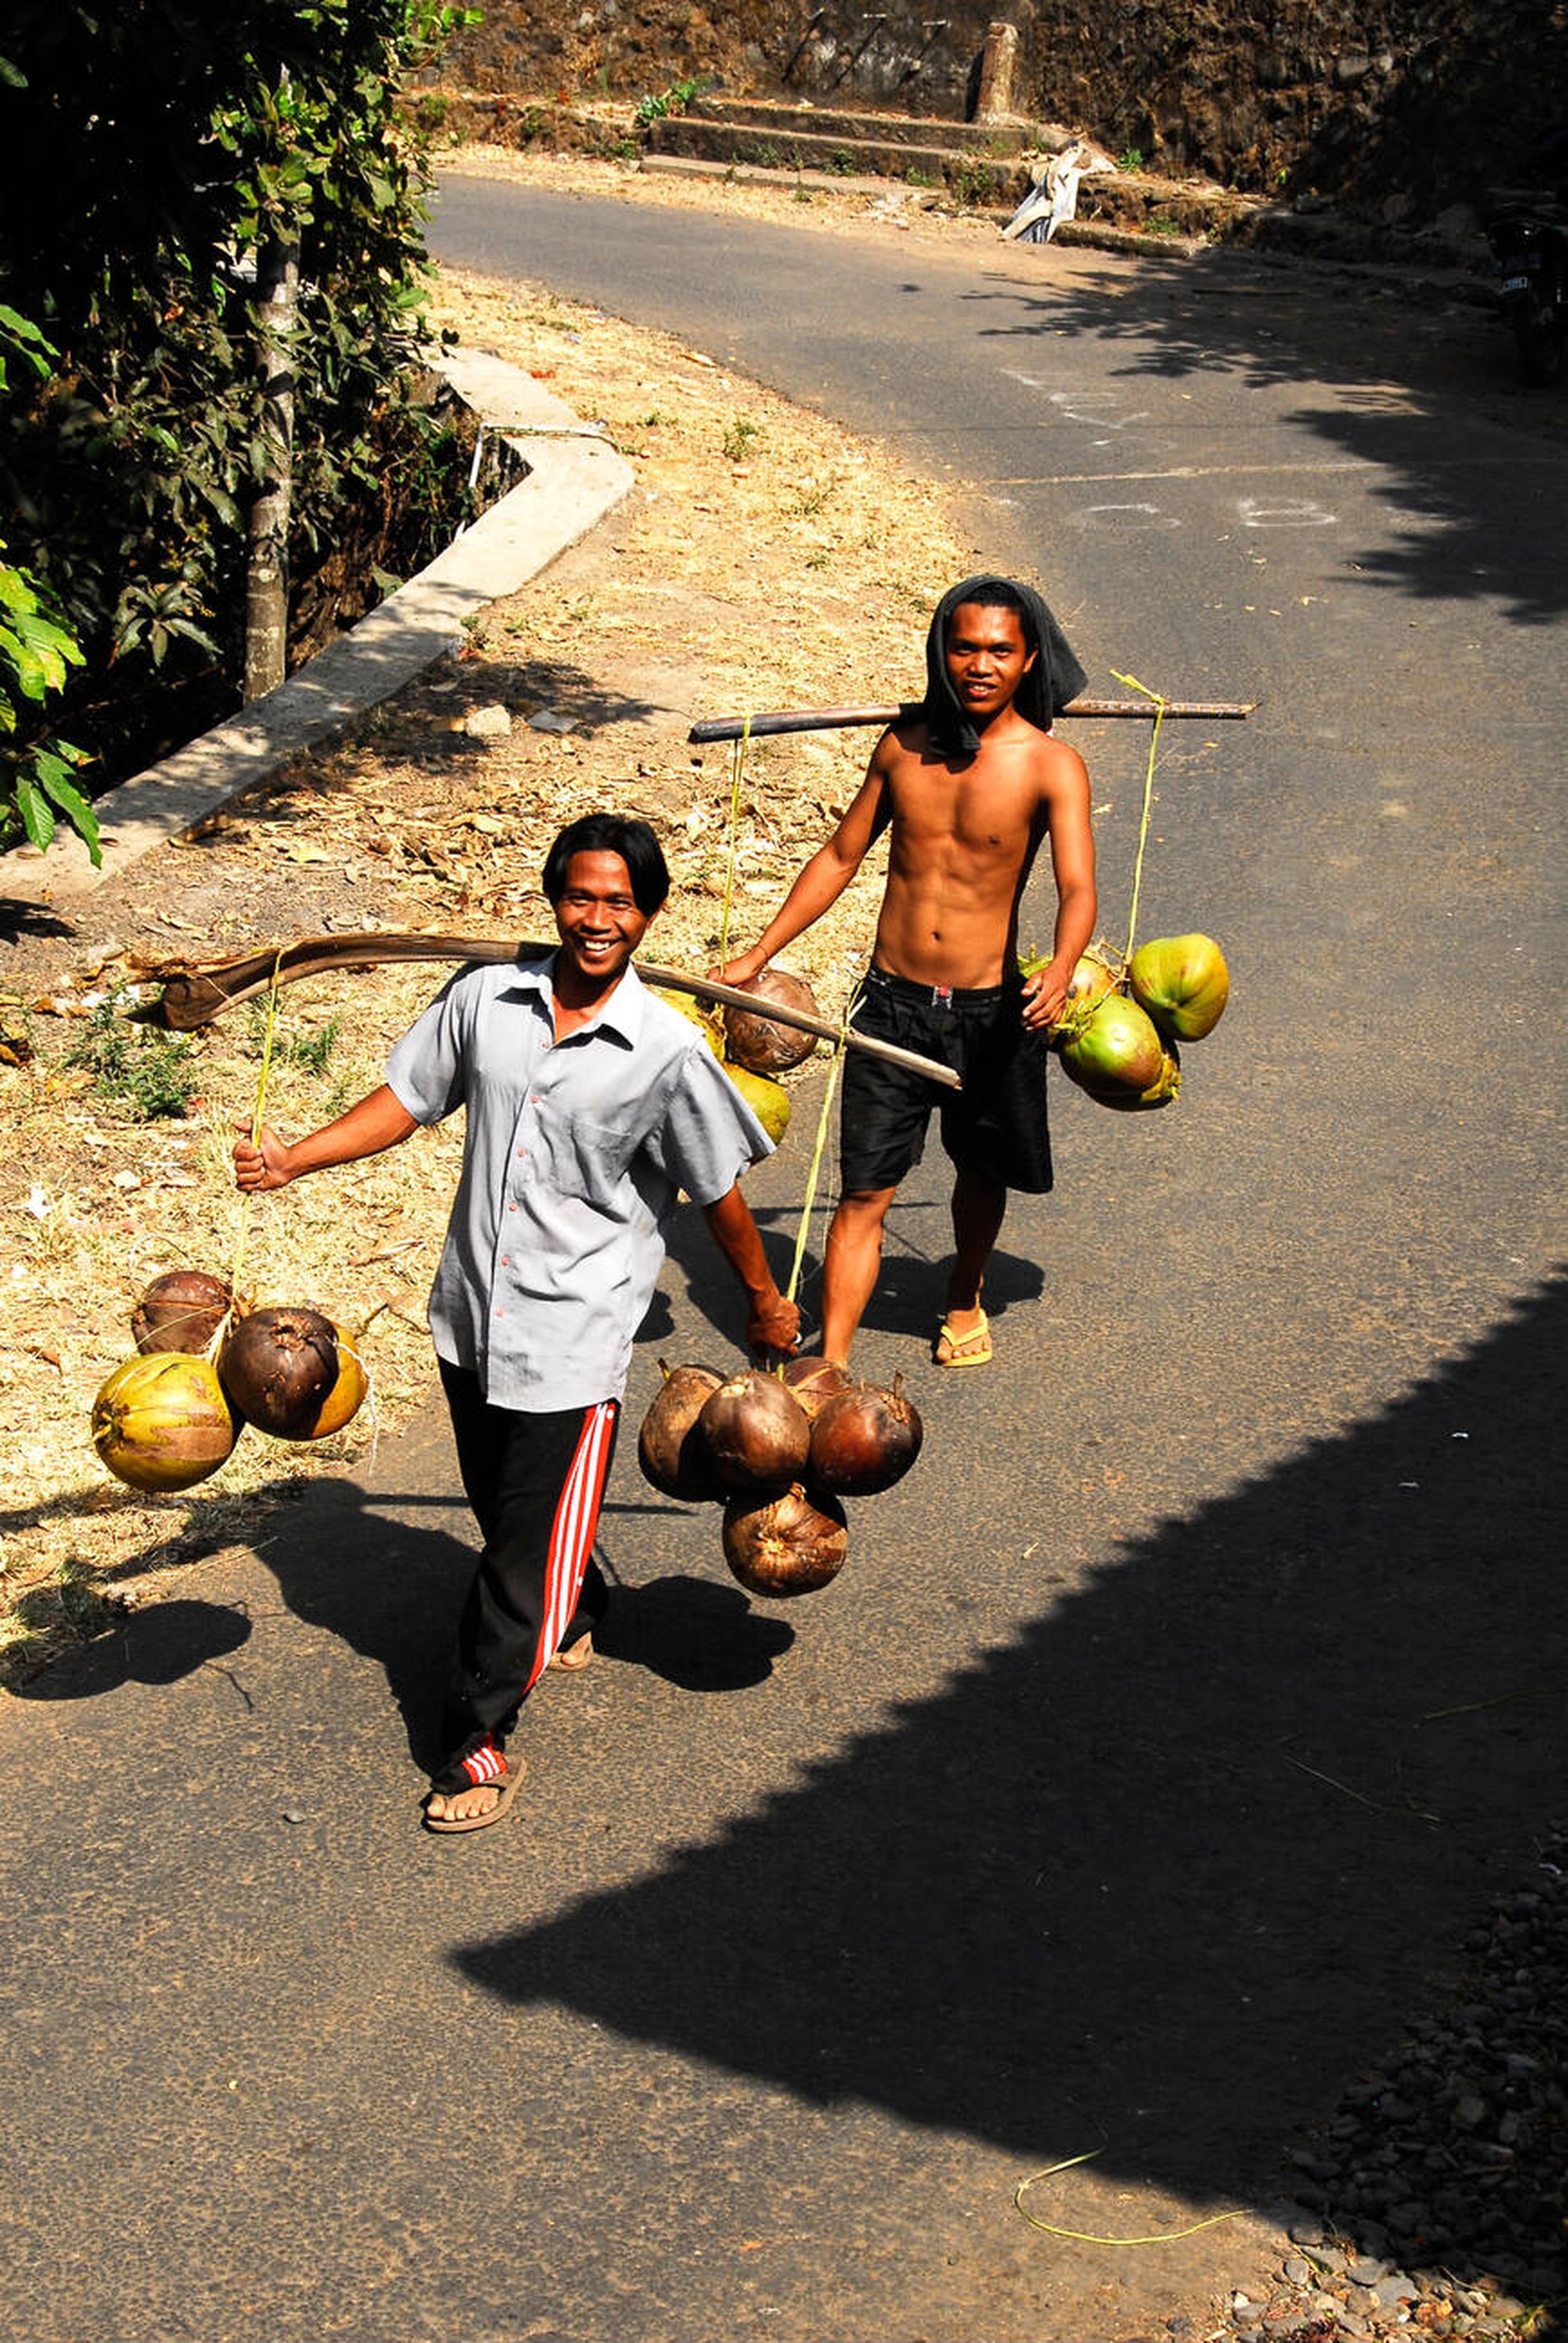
[(864, 1208)]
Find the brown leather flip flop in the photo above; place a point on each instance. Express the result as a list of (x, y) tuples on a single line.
[(504, 1784)]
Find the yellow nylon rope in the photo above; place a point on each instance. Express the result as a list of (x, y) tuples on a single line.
[(243, 1232), (1088, 2237), (1160, 704)]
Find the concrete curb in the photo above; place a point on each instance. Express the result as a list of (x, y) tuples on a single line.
[(575, 477)]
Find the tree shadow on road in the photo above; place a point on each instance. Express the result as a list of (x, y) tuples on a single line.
[(1427, 400), (1157, 1875)]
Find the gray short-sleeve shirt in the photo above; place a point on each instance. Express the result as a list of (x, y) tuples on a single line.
[(575, 1154)]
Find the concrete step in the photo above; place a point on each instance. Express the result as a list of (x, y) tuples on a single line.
[(780, 118), (973, 175)]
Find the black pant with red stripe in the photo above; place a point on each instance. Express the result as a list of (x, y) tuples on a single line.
[(536, 1484)]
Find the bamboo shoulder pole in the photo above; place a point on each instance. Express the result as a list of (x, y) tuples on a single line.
[(193, 993), (829, 719)]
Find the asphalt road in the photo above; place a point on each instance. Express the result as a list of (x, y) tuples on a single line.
[(1135, 1786)]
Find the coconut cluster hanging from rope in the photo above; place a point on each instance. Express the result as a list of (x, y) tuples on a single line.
[(1121, 1024), (207, 1366), (1125, 1013), (779, 1453)]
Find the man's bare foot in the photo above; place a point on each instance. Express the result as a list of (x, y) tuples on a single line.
[(463, 1806)]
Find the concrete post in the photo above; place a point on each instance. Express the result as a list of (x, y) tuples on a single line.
[(998, 73)]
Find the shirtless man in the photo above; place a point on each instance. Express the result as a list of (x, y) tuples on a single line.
[(967, 786)]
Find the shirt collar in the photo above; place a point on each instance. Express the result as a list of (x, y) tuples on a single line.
[(622, 1013)]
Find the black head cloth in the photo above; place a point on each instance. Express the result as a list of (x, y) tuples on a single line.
[(1054, 680)]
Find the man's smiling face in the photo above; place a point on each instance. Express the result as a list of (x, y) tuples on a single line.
[(597, 918), (987, 658)]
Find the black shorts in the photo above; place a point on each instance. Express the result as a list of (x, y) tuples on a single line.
[(996, 1125)]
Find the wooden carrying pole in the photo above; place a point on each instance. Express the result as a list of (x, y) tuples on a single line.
[(829, 719), (195, 992)]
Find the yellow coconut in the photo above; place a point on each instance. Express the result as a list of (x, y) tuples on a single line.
[(769, 1101), (161, 1421)]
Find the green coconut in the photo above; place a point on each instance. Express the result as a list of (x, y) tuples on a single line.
[(1117, 1047), (1184, 982), (1091, 980), (1166, 1085)]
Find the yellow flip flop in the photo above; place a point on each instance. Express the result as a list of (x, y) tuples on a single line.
[(970, 1349)]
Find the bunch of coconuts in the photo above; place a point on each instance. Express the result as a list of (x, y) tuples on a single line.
[(754, 1049), (779, 1452), (1117, 1032), (207, 1366)]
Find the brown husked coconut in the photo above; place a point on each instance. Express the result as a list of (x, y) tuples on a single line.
[(864, 1439), (671, 1449), (761, 1043), (756, 1432), (161, 1421), (789, 1545), (277, 1367), (181, 1311), (815, 1381)]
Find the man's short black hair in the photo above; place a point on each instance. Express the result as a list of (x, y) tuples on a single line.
[(612, 833)]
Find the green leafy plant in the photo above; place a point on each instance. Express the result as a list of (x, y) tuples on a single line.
[(310, 1050), (673, 100), (158, 156), (739, 437), (974, 182), (1161, 223), (148, 1074), (38, 651), (1130, 159)]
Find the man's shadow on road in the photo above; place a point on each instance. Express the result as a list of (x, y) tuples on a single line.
[(351, 1562)]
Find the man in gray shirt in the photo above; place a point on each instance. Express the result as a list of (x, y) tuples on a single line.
[(591, 1105)]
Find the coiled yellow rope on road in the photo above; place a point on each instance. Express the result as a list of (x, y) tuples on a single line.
[(1088, 2237)]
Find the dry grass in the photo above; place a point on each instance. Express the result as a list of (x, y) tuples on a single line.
[(784, 564)]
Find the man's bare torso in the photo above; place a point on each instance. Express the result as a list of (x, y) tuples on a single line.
[(964, 836)]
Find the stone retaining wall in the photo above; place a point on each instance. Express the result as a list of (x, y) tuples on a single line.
[(1396, 107)]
